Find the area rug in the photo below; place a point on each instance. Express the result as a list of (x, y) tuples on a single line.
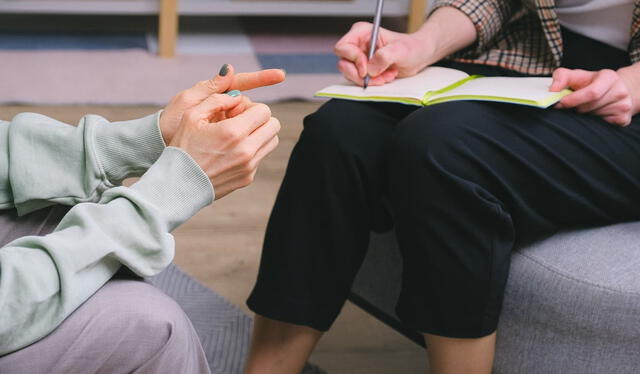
[(223, 328), (116, 63)]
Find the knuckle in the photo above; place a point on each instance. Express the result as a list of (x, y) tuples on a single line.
[(247, 167), (184, 96), (244, 156), (252, 166), (231, 133), (620, 95), (247, 180), (625, 106), (619, 120), (190, 116), (209, 84), (560, 71), (360, 25), (592, 93), (385, 56), (609, 74), (276, 124), (264, 108)]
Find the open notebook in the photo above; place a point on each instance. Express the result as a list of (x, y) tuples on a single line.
[(437, 85)]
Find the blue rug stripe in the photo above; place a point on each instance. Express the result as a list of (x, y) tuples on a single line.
[(71, 41), (300, 63)]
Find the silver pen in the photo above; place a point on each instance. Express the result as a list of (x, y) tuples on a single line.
[(374, 36)]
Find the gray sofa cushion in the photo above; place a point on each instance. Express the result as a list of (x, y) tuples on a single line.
[(572, 303)]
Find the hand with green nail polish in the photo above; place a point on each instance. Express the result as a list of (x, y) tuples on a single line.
[(226, 80), (230, 151)]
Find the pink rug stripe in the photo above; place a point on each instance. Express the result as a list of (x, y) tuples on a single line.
[(293, 44), (131, 77)]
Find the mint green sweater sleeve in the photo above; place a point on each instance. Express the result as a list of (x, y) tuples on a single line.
[(47, 162), (44, 279)]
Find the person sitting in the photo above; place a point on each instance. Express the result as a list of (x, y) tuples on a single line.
[(463, 183), (65, 305)]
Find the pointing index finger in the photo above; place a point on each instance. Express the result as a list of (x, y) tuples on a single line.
[(249, 81)]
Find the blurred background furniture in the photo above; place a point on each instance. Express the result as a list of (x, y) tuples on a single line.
[(572, 303), (165, 9), (169, 10)]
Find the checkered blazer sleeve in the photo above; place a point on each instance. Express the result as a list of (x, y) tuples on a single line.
[(488, 17), (634, 44)]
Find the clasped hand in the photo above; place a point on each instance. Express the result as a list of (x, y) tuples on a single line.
[(227, 136)]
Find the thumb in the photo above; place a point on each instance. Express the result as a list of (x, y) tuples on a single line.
[(560, 79), (218, 84), (571, 78)]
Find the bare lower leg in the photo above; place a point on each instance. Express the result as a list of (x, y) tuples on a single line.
[(279, 347), (460, 356)]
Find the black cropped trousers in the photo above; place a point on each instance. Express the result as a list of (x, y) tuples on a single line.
[(463, 183)]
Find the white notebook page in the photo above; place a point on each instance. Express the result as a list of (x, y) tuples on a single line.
[(534, 89), (430, 79)]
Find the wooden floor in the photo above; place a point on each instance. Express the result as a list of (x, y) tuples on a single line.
[(221, 246)]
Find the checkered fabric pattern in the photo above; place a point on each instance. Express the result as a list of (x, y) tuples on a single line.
[(516, 37)]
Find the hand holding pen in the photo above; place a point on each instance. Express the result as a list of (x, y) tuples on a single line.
[(393, 54)]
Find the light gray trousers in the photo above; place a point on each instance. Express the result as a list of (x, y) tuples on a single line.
[(128, 326)]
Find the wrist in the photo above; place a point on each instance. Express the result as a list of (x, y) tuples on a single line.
[(165, 119), (424, 42), (446, 31), (630, 76)]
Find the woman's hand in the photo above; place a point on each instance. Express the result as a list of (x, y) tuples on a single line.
[(225, 81), (605, 93), (397, 55), (228, 150)]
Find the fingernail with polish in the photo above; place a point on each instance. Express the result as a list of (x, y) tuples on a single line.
[(224, 70), (234, 93)]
